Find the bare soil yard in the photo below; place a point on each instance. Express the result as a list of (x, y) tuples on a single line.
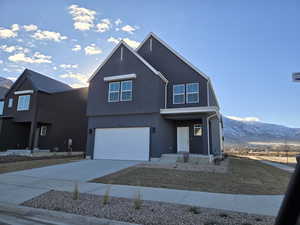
[(244, 176), (18, 165), (149, 213)]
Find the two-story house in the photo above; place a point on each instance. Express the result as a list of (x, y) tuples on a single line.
[(150, 101), (39, 112)]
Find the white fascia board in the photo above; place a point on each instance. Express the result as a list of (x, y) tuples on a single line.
[(23, 92), (189, 110), (214, 93), (120, 77)]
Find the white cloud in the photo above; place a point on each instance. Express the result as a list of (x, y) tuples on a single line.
[(15, 27), (83, 18), (13, 48), (92, 50), (132, 43), (6, 70), (245, 119), (76, 76), (30, 27), (128, 29), (7, 33), (36, 58), (76, 48), (54, 67), (68, 66), (118, 22), (104, 26), (1, 61), (113, 40), (48, 35)]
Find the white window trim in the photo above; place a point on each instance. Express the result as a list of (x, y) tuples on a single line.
[(198, 125), (23, 92), (122, 91), (120, 77), (188, 93), (23, 109), (10, 103), (109, 92), (175, 94)]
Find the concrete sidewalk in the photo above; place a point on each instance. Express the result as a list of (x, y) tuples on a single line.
[(279, 165)]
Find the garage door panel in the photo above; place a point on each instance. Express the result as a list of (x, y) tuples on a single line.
[(122, 143)]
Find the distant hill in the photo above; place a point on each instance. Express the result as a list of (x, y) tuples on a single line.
[(5, 84), (242, 132)]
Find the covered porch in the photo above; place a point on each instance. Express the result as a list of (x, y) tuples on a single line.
[(198, 130)]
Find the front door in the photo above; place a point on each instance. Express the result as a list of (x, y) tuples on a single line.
[(183, 140)]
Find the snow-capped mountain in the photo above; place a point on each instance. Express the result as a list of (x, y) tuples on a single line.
[(242, 132)]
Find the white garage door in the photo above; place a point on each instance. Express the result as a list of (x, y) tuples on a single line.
[(122, 143)]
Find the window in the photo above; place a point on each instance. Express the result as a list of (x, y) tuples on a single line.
[(192, 93), (1, 107), (197, 130), (23, 102), (120, 91), (43, 130), (114, 92), (10, 102), (178, 94), (126, 90)]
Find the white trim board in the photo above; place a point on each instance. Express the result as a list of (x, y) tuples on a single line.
[(120, 77), (23, 92), (180, 57), (189, 110), (135, 53)]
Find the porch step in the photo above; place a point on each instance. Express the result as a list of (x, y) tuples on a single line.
[(173, 158)]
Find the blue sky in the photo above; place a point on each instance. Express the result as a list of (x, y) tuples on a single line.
[(248, 48)]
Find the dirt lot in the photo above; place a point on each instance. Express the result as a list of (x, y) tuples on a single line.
[(149, 213), (16, 165), (244, 176)]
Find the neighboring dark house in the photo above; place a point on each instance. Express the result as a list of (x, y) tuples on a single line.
[(39, 112), (149, 102)]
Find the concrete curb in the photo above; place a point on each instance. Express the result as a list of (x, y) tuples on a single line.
[(53, 217)]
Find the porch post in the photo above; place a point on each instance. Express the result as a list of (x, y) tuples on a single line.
[(31, 134)]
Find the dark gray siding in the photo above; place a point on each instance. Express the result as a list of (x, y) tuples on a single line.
[(212, 98), (174, 69), (215, 138), (162, 136), (64, 114), (148, 88)]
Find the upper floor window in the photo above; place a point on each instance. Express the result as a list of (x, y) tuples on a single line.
[(186, 93), (1, 107), (126, 90), (178, 94), (192, 93), (10, 102), (120, 91), (23, 102)]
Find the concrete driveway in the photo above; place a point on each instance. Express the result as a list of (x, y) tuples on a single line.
[(16, 187)]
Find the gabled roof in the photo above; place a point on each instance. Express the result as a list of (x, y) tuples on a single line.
[(151, 34), (133, 52), (43, 83), (3, 91)]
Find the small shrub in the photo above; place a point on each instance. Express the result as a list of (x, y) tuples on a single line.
[(138, 201), (194, 210), (186, 157), (106, 196), (76, 192)]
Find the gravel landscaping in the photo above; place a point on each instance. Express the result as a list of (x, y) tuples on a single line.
[(150, 213)]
